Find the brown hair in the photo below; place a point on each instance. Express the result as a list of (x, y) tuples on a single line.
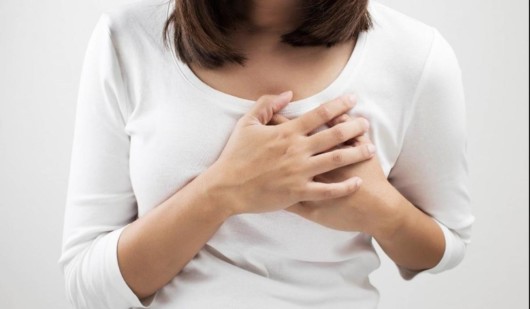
[(202, 27)]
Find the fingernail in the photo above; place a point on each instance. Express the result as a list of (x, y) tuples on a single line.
[(371, 148), (358, 182)]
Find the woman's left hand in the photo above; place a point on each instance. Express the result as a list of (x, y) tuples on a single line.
[(372, 209)]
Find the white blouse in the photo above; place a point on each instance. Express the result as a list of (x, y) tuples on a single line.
[(146, 125)]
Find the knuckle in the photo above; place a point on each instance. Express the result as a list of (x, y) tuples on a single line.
[(344, 102), (356, 154), (290, 170), (324, 113), (360, 153), (293, 150), (329, 193), (344, 118), (367, 150), (301, 192), (282, 134), (339, 133), (337, 157), (297, 169), (363, 150)]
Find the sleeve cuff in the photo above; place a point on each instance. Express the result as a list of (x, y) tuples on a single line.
[(115, 278), (453, 255)]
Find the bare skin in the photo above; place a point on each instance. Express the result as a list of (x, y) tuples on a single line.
[(274, 68), (154, 249)]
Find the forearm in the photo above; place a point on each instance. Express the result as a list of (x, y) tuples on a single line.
[(153, 249), (412, 239)]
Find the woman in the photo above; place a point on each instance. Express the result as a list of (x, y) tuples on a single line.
[(239, 171)]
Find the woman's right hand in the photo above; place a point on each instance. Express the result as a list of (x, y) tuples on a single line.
[(266, 168)]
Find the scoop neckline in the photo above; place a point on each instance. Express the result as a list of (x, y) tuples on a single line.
[(241, 104)]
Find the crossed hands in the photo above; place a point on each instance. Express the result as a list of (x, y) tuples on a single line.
[(362, 210)]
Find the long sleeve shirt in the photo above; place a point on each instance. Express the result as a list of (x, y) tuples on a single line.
[(146, 125)]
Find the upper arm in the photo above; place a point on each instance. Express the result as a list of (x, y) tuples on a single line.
[(100, 199), (432, 170)]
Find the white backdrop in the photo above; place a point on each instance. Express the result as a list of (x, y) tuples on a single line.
[(42, 44)]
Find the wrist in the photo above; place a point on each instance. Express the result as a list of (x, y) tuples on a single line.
[(395, 213), (218, 192)]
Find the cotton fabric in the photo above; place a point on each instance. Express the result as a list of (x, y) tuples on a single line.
[(146, 125)]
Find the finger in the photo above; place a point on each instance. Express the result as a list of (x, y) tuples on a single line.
[(279, 119), (359, 140), (324, 113), (341, 146), (364, 139), (266, 106), (327, 139), (331, 160), (339, 119), (317, 191)]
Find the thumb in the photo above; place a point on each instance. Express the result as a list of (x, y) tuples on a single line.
[(266, 106)]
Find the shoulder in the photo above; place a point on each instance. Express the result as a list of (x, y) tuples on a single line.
[(408, 47), (136, 20), (399, 30), (136, 32)]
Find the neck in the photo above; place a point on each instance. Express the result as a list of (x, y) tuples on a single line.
[(274, 17)]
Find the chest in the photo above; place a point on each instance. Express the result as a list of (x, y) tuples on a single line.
[(178, 127), (178, 132), (305, 71)]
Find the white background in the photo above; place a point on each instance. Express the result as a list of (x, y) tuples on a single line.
[(42, 44)]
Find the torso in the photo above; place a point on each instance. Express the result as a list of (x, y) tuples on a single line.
[(306, 70)]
